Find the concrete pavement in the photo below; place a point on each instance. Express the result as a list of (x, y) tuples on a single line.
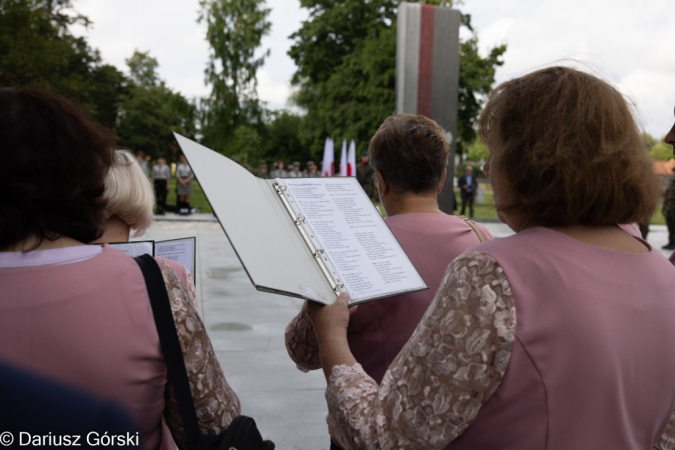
[(247, 331)]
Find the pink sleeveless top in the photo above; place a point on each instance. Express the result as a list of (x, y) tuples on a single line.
[(592, 365), (378, 330), (89, 324)]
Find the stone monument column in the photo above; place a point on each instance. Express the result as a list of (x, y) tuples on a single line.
[(427, 72)]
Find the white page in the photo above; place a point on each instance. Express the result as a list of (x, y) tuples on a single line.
[(181, 251), (134, 249), (361, 248), (257, 225)]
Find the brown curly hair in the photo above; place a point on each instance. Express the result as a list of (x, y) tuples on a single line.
[(569, 150)]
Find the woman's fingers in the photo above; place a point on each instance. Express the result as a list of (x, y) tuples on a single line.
[(330, 319)]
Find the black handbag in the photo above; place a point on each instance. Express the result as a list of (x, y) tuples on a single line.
[(242, 434)]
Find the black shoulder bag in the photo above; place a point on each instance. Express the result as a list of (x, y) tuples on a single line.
[(242, 434)]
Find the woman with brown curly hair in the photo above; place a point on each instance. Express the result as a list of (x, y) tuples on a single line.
[(558, 337), (80, 314)]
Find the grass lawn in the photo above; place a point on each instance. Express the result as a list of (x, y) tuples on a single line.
[(197, 199), (487, 209)]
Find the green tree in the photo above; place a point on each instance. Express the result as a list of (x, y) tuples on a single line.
[(234, 31), (282, 139), (150, 111), (478, 151), (346, 58), (661, 152), (37, 49)]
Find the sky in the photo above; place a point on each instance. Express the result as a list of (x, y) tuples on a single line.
[(630, 43)]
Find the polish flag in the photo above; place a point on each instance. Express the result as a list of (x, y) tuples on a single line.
[(327, 169), (351, 160), (343, 159)]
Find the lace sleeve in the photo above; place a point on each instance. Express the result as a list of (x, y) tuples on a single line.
[(301, 343), (667, 441), (450, 367), (215, 402)]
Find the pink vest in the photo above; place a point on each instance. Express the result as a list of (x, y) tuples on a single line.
[(592, 365), (379, 329), (89, 324)]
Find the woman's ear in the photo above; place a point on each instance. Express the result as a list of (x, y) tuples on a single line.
[(382, 186), (442, 183)]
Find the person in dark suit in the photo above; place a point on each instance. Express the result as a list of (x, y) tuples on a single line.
[(468, 185), (33, 408)]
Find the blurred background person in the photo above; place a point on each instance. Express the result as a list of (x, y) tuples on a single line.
[(670, 196), (556, 337), (143, 162), (364, 175), (161, 174), (312, 171), (184, 187), (279, 171), (262, 171), (80, 314), (295, 171), (431, 239), (668, 212), (468, 185)]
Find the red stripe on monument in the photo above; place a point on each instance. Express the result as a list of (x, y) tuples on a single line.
[(426, 64)]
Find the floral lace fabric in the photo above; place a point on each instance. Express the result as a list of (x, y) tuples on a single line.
[(667, 441), (215, 402), (450, 367), (301, 342)]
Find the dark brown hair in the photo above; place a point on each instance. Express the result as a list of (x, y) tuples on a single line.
[(410, 152), (568, 148), (54, 163)]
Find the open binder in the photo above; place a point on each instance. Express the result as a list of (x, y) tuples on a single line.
[(311, 238)]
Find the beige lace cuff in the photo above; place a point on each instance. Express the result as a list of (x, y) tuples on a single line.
[(301, 342), (450, 367)]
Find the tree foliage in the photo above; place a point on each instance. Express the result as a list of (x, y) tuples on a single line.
[(149, 111), (37, 49), (346, 77), (234, 31)]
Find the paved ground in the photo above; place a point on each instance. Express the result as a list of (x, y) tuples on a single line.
[(247, 331)]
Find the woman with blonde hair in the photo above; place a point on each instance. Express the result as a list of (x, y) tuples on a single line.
[(129, 197), (558, 337)]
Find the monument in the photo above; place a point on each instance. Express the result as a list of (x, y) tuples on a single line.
[(427, 72)]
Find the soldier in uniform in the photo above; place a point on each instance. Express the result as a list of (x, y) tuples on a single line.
[(295, 171), (279, 171), (312, 171), (262, 171)]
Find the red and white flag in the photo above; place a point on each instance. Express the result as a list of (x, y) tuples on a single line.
[(343, 159), (327, 169), (351, 160)]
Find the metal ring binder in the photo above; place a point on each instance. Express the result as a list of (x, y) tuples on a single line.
[(317, 252)]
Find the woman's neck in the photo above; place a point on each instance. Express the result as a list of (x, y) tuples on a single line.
[(114, 230), (396, 204)]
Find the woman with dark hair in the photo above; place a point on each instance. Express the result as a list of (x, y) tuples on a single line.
[(409, 155), (80, 314), (558, 337)]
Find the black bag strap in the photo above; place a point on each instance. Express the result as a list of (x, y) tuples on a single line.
[(168, 337)]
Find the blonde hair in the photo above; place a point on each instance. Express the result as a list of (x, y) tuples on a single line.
[(129, 193)]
